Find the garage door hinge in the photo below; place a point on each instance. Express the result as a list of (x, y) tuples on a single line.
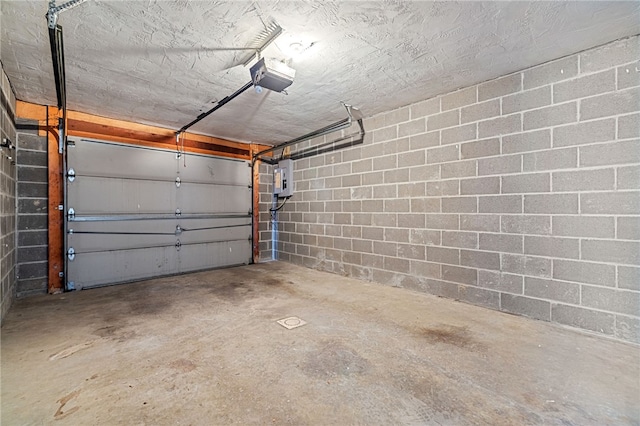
[(178, 230), (178, 245), (71, 175), (71, 253), (178, 182), (71, 213), (178, 212)]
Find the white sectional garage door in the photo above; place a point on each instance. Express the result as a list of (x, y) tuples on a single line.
[(135, 212)]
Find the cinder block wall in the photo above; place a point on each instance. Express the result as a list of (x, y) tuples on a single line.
[(266, 191), (32, 259), (518, 194), (7, 198)]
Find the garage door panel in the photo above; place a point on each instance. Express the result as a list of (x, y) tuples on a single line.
[(199, 169), (128, 226), (197, 198), (90, 196), (113, 235), (90, 269), (96, 236), (207, 231), (132, 219), (94, 158), (96, 243), (197, 256), (196, 224)]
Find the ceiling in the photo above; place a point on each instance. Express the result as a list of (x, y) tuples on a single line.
[(161, 62)]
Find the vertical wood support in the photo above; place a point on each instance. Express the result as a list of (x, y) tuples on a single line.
[(56, 216)]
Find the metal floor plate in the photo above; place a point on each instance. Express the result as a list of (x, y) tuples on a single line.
[(291, 322)]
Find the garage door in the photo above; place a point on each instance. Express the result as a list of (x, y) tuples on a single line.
[(135, 212)]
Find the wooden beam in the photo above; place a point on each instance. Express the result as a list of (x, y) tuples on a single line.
[(33, 111), (156, 140), (93, 126), (45, 116), (87, 125)]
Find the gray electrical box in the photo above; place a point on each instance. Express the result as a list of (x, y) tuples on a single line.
[(283, 179)]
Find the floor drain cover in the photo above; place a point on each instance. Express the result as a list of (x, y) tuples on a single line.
[(291, 322)]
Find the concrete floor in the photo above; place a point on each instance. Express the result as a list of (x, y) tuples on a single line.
[(205, 349)]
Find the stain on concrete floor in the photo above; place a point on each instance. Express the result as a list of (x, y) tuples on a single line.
[(205, 348)]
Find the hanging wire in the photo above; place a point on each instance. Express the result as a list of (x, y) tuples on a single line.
[(273, 210)]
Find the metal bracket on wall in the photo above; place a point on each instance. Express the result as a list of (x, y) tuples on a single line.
[(61, 135), (6, 143), (54, 11), (353, 113)]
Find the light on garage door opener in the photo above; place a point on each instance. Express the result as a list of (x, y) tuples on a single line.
[(271, 74)]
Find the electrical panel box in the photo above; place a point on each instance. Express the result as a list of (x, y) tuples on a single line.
[(283, 179)]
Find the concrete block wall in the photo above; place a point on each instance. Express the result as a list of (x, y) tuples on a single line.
[(7, 198), (518, 194), (32, 194), (266, 191)]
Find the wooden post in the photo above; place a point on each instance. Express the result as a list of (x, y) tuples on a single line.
[(56, 216)]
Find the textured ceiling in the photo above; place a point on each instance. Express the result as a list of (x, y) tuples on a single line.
[(159, 62)]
